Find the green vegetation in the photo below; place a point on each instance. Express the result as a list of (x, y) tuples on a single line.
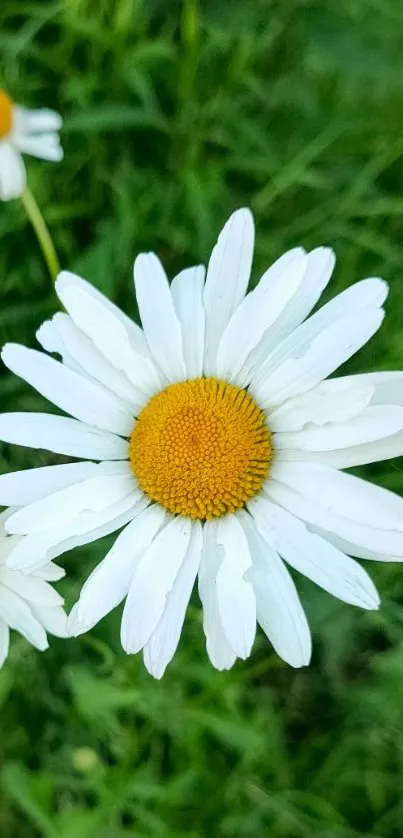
[(174, 117)]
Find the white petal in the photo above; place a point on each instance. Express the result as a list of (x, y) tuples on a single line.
[(80, 353), (353, 549), (324, 354), (220, 652), (372, 424), (160, 322), (33, 551), (319, 268), (117, 337), (313, 556), (279, 610), (91, 495), (109, 583), (316, 512), (68, 390), (161, 647), (342, 494), (45, 146), (258, 311), (152, 582), (335, 400), (62, 436), (235, 597), (12, 172), (356, 455), (362, 301), (18, 615), (50, 572), (54, 620), (31, 588), (4, 641), (36, 121), (227, 279), (21, 487), (187, 294), (387, 386)]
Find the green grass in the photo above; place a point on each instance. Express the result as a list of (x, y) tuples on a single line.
[(174, 117)]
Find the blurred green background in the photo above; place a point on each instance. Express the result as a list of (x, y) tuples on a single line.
[(175, 114)]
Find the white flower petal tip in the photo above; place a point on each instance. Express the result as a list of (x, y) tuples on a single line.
[(159, 319), (227, 279), (152, 582), (28, 603)]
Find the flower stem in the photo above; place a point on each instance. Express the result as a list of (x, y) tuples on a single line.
[(42, 233)]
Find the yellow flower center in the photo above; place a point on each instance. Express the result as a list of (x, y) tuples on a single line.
[(6, 114), (201, 448)]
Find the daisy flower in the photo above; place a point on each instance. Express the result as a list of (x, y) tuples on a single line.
[(24, 131), (217, 444), (28, 603)]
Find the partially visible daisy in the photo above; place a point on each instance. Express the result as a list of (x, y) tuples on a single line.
[(219, 448), (28, 603), (24, 131)]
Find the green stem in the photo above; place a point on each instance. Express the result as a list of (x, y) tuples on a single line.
[(42, 233)]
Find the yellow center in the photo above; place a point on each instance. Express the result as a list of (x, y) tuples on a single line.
[(6, 114), (201, 448)]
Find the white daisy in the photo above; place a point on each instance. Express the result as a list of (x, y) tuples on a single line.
[(28, 603), (219, 444), (24, 131)]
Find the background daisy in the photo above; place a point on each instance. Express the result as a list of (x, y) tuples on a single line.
[(24, 131), (28, 603)]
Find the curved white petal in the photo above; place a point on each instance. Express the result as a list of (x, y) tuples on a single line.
[(387, 386), (62, 436), (187, 294), (372, 424), (313, 556), (50, 572), (279, 610), (305, 351), (31, 588), (71, 392), (356, 455), (152, 581), (117, 337), (324, 354), (258, 311), (161, 647), (4, 641), (318, 513), (36, 550), (235, 597), (91, 495), (159, 319), (335, 400), (78, 351), (342, 494), (22, 487), (351, 548), (109, 583), (54, 620), (227, 279), (18, 615), (319, 268), (220, 652), (46, 146), (36, 121), (12, 172)]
